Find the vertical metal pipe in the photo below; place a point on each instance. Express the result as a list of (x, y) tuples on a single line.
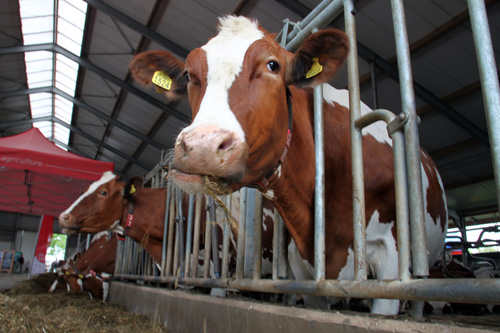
[(226, 239), (358, 194), (208, 243), (413, 164), (189, 235), (118, 258), (176, 250), (88, 242), (170, 238), (489, 81), (283, 247), (215, 238), (181, 231), (319, 179), (257, 254), (276, 246), (402, 214), (165, 228), (240, 253), (196, 235)]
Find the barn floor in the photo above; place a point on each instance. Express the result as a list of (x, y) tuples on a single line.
[(184, 311)]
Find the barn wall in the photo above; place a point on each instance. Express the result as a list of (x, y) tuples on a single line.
[(182, 311)]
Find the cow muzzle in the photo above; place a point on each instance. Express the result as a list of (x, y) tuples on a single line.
[(208, 154), (68, 223)]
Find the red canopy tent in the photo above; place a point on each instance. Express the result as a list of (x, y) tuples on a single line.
[(39, 178)]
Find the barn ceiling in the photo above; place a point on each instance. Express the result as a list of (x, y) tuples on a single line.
[(114, 119)]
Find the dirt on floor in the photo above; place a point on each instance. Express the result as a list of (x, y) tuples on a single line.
[(28, 307)]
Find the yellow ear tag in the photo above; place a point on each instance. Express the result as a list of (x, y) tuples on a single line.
[(132, 189), (316, 68), (81, 276), (67, 273), (162, 80)]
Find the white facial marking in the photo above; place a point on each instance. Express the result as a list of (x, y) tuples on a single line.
[(341, 96), (225, 54), (106, 177)]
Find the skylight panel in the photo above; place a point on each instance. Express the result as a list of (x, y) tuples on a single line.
[(42, 69)]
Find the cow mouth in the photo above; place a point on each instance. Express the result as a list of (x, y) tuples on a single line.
[(198, 183), (70, 230)]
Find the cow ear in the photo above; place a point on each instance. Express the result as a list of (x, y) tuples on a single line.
[(133, 185), (163, 70), (319, 58)]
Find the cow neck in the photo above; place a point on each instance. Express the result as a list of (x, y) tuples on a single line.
[(264, 182)]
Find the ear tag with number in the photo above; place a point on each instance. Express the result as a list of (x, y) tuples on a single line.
[(316, 68), (162, 80)]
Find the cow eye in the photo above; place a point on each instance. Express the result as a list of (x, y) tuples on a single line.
[(273, 66), (103, 192), (187, 77)]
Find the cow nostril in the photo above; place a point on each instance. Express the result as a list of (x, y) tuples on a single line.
[(226, 144), (181, 143)]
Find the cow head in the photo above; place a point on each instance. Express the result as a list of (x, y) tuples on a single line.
[(237, 88), (100, 206)]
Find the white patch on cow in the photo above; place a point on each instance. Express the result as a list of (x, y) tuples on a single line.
[(433, 230), (106, 177), (225, 54), (341, 96), (80, 283), (53, 286), (105, 287), (267, 212), (116, 227), (303, 270), (99, 235), (382, 260), (269, 195)]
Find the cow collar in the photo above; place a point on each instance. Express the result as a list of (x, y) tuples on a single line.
[(130, 215), (264, 181)]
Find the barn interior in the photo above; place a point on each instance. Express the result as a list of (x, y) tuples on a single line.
[(64, 69)]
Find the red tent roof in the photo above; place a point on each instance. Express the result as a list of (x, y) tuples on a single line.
[(37, 177)]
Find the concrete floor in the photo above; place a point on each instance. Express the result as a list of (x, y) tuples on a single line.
[(8, 281)]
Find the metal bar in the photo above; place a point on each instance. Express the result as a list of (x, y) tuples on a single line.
[(276, 246), (358, 192), (283, 248), (189, 235), (240, 253), (319, 179), (413, 164), (320, 20), (299, 26), (485, 291), (226, 240), (215, 238), (196, 242), (181, 231), (208, 243), (400, 184), (165, 228), (257, 254), (170, 238), (489, 81)]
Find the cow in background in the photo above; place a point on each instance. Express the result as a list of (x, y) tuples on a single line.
[(252, 109), (91, 270)]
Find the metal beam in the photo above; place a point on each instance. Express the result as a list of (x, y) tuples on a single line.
[(87, 107), (137, 26), (85, 62), (450, 113)]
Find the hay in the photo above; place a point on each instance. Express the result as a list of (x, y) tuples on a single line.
[(28, 307)]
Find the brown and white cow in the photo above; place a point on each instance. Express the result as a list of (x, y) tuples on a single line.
[(92, 269), (237, 87)]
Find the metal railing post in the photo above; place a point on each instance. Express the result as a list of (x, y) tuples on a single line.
[(413, 164), (489, 81), (358, 191)]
